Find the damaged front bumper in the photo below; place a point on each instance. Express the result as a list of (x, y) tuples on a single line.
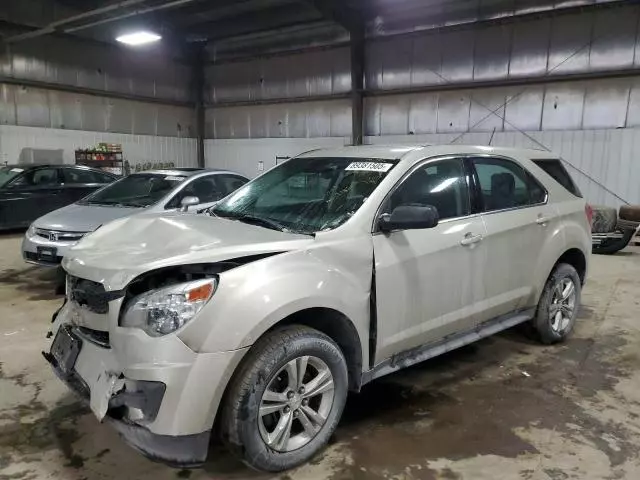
[(161, 396)]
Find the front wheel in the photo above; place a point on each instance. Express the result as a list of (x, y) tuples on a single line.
[(286, 400), (558, 306)]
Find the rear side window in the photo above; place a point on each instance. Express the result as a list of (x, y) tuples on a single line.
[(505, 184), (555, 169)]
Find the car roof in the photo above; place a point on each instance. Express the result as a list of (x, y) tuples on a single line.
[(398, 152), (33, 166), (187, 171)]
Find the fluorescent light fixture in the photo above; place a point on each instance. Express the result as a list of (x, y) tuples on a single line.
[(139, 38)]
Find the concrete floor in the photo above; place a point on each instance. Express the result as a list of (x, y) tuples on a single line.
[(505, 408)]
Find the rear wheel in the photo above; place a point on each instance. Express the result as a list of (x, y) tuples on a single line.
[(286, 399), (558, 306)]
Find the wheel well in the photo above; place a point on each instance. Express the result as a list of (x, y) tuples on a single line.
[(577, 260), (337, 326)]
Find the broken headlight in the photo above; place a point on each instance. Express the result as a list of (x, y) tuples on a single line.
[(163, 311)]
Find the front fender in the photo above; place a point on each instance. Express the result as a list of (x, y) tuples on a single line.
[(253, 298)]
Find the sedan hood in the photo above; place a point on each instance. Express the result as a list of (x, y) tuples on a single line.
[(122, 250), (82, 218)]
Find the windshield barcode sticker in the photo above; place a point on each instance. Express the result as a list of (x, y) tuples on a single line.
[(17, 170), (173, 179), (370, 166)]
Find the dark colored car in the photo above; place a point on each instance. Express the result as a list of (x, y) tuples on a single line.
[(29, 191)]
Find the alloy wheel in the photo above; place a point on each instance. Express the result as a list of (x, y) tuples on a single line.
[(563, 304), (296, 403)]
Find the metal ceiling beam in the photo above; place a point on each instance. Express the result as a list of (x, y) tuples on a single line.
[(339, 13), (54, 26), (255, 22), (193, 16)]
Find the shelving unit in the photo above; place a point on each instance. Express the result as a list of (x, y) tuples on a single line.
[(107, 157)]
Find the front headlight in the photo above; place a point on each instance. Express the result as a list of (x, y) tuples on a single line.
[(31, 231), (160, 312)]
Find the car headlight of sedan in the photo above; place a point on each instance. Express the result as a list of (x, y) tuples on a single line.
[(163, 311), (31, 231)]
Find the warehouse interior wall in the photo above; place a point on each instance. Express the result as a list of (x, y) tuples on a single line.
[(568, 82), (57, 93)]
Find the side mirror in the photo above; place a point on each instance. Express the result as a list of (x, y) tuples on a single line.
[(187, 202), (409, 217)]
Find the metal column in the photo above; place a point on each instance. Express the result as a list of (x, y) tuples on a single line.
[(357, 85), (198, 96)]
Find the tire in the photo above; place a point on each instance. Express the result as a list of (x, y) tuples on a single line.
[(266, 367), (604, 219), (630, 212), (548, 328), (609, 247)]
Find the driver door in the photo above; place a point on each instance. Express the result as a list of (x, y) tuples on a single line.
[(429, 282)]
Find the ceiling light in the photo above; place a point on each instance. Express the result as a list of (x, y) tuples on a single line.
[(138, 38)]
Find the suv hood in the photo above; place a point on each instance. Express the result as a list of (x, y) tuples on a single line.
[(121, 250), (82, 218)]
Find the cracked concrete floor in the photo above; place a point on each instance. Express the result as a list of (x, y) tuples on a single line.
[(505, 408)]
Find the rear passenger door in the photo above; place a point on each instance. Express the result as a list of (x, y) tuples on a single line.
[(518, 222)]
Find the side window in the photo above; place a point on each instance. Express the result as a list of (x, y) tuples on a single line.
[(205, 188), (229, 183), (79, 175), (43, 177), (505, 184), (442, 184)]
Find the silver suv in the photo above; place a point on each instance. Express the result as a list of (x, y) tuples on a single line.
[(332, 269)]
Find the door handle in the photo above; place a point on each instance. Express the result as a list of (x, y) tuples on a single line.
[(542, 220), (470, 239)]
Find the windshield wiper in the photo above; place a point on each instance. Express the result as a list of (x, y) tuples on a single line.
[(252, 219)]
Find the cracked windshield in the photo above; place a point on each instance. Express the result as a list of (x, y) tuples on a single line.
[(306, 195)]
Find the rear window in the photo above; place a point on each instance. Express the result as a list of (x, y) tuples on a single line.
[(560, 174)]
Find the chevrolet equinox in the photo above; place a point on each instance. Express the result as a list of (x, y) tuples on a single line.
[(254, 319)]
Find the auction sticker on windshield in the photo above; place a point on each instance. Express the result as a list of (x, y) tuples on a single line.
[(370, 166)]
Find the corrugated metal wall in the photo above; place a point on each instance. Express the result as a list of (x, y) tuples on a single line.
[(589, 42), (34, 107), (609, 103), (89, 65), (324, 72), (297, 120), (137, 148)]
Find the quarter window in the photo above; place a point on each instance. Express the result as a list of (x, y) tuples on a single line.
[(505, 184), (441, 184)]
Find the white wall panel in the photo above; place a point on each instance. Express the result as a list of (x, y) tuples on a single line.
[(137, 148), (243, 156)]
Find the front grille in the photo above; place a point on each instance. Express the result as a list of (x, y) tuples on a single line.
[(89, 294), (59, 236), (33, 257), (98, 337)]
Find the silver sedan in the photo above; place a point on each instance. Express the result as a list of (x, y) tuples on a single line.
[(190, 189)]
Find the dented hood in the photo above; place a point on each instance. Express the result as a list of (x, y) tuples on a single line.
[(121, 250)]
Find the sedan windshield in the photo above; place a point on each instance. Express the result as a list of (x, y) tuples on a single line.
[(306, 195), (7, 173), (137, 190)]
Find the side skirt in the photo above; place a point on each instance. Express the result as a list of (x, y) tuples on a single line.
[(425, 352)]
